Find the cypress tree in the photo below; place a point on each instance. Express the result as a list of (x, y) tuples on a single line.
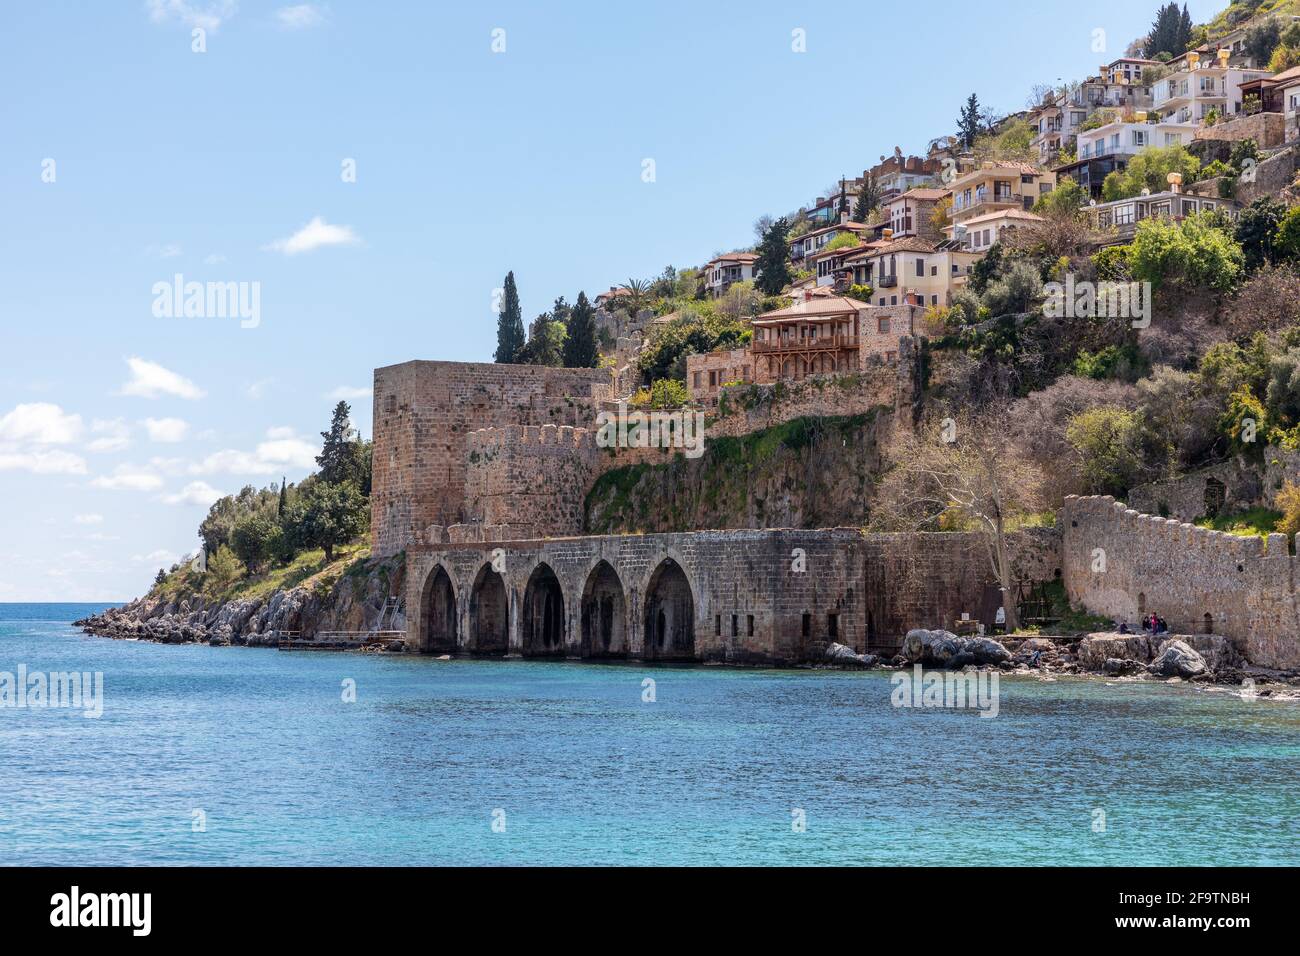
[(771, 265), (279, 509), (510, 323), (580, 346)]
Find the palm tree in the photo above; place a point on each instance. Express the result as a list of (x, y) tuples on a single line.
[(638, 294)]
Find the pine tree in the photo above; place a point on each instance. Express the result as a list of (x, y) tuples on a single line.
[(337, 458), (279, 508), (1171, 32), (868, 199), (971, 121), (510, 323), (771, 265), (580, 346)]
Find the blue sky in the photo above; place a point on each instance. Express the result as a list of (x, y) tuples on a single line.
[(118, 425)]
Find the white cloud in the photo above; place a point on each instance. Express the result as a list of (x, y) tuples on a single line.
[(169, 250), (115, 434), (208, 15), (41, 423), (314, 235), (43, 462), (195, 493), (300, 16), (347, 392), (282, 450), (213, 258), (161, 557), (150, 380), (128, 478), (280, 431), (257, 390), (89, 519), (166, 430)]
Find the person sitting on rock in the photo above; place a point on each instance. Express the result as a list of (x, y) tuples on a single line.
[(1123, 628)]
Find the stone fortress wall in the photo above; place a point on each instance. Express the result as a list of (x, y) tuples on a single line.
[(1125, 564)]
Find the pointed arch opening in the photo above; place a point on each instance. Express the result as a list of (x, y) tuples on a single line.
[(438, 614), (543, 623), (489, 614), (669, 614), (604, 614)]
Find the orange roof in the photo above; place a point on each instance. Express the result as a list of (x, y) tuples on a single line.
[(813, 307)]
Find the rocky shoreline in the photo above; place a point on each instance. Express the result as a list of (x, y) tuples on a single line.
[(354, 603), (1199, 658)]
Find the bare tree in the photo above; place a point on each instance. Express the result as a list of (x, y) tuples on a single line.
[(962, 472)]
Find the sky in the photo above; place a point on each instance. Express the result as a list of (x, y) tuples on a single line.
[(364, 174)]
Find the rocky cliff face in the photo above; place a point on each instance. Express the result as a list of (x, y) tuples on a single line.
[(353, 602), (805, 473)]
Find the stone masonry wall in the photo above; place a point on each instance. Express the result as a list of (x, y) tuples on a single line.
[(756, 596), (423, 413), (1266, 129), (1125, 564)]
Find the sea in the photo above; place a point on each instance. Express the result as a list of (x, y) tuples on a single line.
[(244, 756)]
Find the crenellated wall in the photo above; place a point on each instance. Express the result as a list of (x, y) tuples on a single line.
[(423, 413), (1125, 564)]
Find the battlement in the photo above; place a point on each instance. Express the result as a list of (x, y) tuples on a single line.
[(1127, 564), (529, 439)]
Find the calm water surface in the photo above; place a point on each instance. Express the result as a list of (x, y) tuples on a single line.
[(285, 771)]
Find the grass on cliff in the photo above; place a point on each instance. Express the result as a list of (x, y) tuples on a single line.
[(307, 569), (1254, 523)]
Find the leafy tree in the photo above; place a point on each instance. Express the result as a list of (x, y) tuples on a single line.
[(251, 539), (971, 121), (1256, 229), (1288, 502), (546, 337), (1150, 169), (1286, 239), (328, 516), (510, 323), (1108, 441), (772, 263), (580, 344), (160, 577), (1067, 199), (1014, 291), (1262, 37), (986, 269), (223, 571), (1193, 252)]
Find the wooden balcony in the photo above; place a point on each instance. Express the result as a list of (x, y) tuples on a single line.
[(787, 346)]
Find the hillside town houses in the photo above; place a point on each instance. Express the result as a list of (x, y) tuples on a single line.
[(858, 289)]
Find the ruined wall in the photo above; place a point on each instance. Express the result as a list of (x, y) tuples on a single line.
[(1266, 129), (423, 413), (754, 596), (1190, 497), (1183, 573)]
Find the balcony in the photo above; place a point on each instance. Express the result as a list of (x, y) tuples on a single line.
[(887, 282), (820, 343)]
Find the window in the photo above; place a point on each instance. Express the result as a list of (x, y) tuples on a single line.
[(749, 625), (882, 324), (920, 267), (833, 624), (807, 624), (717, 625), (735, 625), (934, 270), (893, 300), (697, 378), (934, 300)]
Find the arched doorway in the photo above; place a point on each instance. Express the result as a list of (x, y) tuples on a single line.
[(604, 614), (438, 614), (543, 624), (669, 614), (489, 614)]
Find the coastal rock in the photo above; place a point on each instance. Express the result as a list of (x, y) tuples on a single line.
[(987, 651), (945, 649), (839, 654), (1095, 649), (1036, 652), (1219, 653), (1116, 666), (1178, 660)]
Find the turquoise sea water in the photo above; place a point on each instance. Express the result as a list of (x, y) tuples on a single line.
[(285, 772)]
